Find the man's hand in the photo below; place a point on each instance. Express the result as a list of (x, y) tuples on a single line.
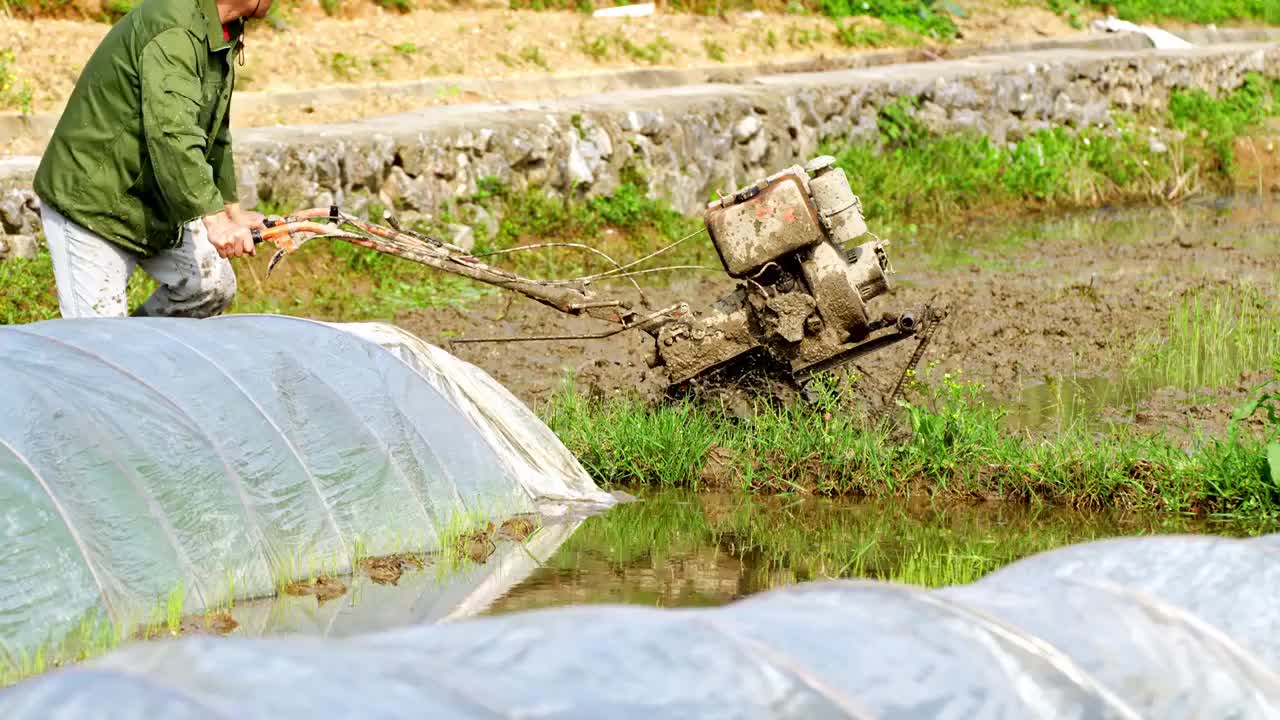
[(249, 218), (231, 238)]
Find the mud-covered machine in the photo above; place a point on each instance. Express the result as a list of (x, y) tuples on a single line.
[(796, 242)]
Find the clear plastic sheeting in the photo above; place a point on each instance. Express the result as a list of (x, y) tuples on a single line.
[(531, 451), (431, 595), (1167, 627), (148, 462)]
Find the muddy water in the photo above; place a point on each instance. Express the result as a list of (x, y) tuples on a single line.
[(684, 549), (681, 549)]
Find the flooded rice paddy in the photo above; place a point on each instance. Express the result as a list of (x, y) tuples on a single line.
[(675, 548)]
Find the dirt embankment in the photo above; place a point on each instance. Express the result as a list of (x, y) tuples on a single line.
[(367, 44), (1069, 298)]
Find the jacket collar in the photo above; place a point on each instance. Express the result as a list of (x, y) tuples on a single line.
[(213, 27)]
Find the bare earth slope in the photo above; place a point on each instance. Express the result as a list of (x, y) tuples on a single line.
[(377, 46)]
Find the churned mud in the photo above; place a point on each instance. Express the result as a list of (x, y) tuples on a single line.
[(388, 569), (215, 623), (518, 528), (323, 589), (1064, 298)]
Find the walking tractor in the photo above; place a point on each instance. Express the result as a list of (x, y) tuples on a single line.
[(796, 242)]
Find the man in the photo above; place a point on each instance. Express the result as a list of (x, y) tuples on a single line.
[(139, 170)]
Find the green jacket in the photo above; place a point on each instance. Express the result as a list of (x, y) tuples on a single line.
[(143, 145)]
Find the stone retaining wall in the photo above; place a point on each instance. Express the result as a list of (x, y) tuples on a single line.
[(687, 142)]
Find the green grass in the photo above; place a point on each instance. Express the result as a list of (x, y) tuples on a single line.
[(1194, 11), (915, 173), (1213, 336), (714, 50), (924, 17), (344, 66), (1266, 403), (958, 447), (1215, 122), (14, 90)]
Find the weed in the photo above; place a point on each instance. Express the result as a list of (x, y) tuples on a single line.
[(280, 16), (851, 35), (714, 51), (650, 53), (116, 9), (917, 16), (405, 48), (802, 37), (331, 7), (596, 48), (533, 55), (343, 65), (15, 92), (449, 91), (173, 609), (29, 293), (1266, 402), (400, 6), (1216, 122)]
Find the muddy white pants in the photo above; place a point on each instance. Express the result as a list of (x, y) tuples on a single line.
[(92, 273)]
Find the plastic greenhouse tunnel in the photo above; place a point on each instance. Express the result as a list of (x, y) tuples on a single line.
[(211, 461)]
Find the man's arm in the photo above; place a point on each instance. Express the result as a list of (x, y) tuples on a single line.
[(171, 95)]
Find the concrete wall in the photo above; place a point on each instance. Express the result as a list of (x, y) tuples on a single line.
[(688, 141)]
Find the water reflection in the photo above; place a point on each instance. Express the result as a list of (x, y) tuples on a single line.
[(445, 590), (684, 549)]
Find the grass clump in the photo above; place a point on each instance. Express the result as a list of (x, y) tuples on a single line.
[(1216, 122), (1266, 402), (924, 17), (536, 214), (1213, 335), (714, 50), (344, 66), (602, 47), (15, 92), (958, 447), (916, 172)]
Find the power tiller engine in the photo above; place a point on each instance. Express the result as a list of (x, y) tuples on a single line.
[(796, 242)]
